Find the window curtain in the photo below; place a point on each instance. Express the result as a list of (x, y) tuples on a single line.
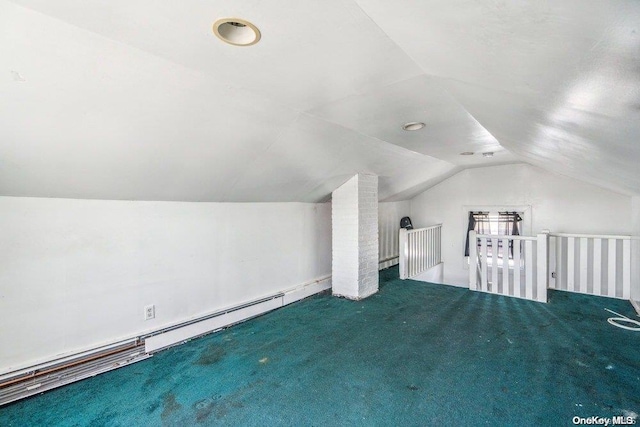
[(478, 221), (509, 225)]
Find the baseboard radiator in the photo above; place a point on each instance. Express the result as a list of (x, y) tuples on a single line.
[(183, 332), (388, 262), (37, 379)]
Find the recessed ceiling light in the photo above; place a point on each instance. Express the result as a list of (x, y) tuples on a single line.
[(467, 153), (488, 154), (413, 126), (236, 31)]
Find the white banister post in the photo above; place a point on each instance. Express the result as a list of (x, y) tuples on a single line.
[(626, 268), (543, 266), (403, 252), (473, 261)]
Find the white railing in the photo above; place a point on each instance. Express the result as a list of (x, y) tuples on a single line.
[(514, 266), (420, 249), (592, 264)]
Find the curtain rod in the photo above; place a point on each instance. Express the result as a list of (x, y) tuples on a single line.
[(499, 213)]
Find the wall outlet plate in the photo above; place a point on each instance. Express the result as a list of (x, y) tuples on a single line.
[(149, 312)]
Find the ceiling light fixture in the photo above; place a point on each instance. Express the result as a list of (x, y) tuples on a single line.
[(488, 154), (236, 31), (411, 126), (467, 153)]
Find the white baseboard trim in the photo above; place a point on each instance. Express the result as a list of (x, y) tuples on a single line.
[(222, 319), (181, 334), (306, 290), (84, 364)]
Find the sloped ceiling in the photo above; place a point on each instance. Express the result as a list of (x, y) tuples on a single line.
[(138, 100)]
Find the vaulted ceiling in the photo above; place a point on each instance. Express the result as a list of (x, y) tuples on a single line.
[(138, 100)]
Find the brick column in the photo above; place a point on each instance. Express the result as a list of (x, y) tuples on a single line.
[(354, 217)]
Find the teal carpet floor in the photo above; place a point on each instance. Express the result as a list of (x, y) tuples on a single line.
[(413, 354)]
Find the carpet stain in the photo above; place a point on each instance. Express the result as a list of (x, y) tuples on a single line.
[(203, 409), (170, 406), (211, 355)]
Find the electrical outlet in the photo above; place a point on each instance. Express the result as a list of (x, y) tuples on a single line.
[(149, 312), (553, 274)]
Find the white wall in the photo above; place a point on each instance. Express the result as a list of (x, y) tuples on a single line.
[(77, 273), (557, 203), (389, 216)]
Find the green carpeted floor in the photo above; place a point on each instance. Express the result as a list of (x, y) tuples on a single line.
[(413, 354)]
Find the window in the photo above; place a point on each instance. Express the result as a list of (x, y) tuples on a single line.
[(495, 223)]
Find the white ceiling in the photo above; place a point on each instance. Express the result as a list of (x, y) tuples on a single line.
[(138, 100)]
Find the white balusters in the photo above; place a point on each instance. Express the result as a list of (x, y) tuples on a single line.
[(626, 269), (494, 265), (611, 277), (516, 269), (528, 268), (485, 266), (584, 242), (571, 263), (610, 266), (542, 260), (499, 265), (597, 266), (419, 250)]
